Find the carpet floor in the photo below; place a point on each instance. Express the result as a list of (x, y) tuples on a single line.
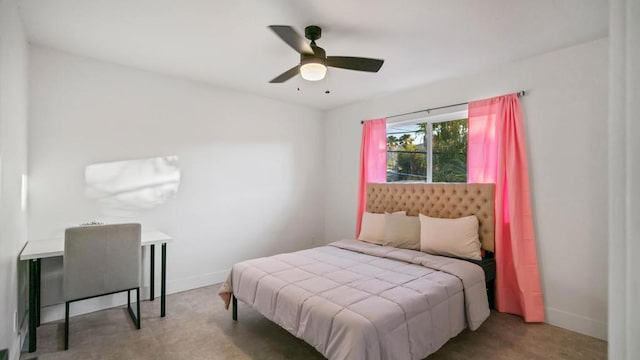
[(198, 327)]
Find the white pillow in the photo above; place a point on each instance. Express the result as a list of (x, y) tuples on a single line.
[(451, 237), (402, 231), (372, 227)]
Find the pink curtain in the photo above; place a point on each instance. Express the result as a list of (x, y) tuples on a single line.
[(497, 154), (373, 161)]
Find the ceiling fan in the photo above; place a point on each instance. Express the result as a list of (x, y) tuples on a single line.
[(313, 59)]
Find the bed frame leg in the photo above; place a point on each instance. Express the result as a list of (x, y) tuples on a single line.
[(234, 308), (491, 294)]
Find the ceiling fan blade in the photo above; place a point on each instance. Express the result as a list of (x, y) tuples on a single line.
[(292, 38), (285, 75), (355, 63)]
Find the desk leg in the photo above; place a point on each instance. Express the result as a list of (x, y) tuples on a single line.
[(163, 280), (33, 283), (152, 273), (38, 295)]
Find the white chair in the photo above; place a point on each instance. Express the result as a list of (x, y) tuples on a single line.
[(101, 260)]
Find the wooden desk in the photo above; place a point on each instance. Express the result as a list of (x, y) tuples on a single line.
[(36, 250)]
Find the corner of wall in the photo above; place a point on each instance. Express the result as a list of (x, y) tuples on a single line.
[(13, 151)]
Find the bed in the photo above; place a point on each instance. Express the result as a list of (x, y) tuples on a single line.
[(355, 300)]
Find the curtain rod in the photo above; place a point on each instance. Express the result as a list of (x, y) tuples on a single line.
[(519, 94)]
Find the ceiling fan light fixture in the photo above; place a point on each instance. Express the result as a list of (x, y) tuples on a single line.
[(313, 70), (313, 59)]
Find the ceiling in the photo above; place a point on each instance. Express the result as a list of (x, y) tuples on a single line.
[(227, 42)]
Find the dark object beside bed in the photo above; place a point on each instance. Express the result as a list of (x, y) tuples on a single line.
[(488, 265)]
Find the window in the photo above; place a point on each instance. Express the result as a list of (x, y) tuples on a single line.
[(431, 149)]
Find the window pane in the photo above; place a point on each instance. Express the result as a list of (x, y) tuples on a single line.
[(406, 166), (406, 154), (450, 151)]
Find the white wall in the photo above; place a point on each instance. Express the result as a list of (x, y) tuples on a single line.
[(565, 113), (251, 167), (13, 164)]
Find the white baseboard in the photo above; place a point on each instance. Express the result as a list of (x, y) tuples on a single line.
[(22, 336), (560, 318), (197, 281), (578, 323), (16, 349), (56, 312)]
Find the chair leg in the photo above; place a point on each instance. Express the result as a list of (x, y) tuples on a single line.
[(130, 310), (66, 325), (138, 306), (129, 305)]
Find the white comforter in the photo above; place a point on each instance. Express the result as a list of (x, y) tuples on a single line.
[(355, 300)]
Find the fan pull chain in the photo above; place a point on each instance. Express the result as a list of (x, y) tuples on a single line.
[(327, 76)]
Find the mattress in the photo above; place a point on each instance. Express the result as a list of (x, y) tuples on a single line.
[(355, 300)]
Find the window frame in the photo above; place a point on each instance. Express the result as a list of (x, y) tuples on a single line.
[(429, 119)]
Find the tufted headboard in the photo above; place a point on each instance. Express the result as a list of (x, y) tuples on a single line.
[(437, 200)]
